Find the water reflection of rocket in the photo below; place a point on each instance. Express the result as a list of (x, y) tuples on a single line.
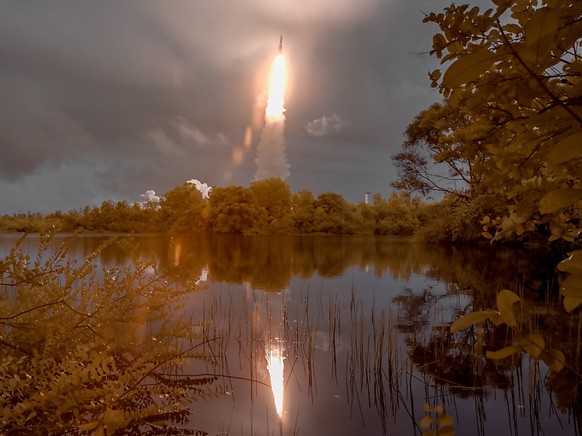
[(281, 44), (267, 324)]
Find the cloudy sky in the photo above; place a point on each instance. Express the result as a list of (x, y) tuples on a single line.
[(108, 99)]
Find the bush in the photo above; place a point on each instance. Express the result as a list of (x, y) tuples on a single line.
[(79, 356), (457, 219)]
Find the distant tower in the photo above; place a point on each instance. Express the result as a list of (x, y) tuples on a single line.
[(366, 197)]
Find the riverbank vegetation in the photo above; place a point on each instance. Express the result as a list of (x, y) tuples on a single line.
[(269, 207), (509, 127), (510, 123), (85, 351), (265, 207)]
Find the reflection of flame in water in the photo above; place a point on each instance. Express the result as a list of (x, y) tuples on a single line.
[(203, 275), (177, 253), (276, 368)]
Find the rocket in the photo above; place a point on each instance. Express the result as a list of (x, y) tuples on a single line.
[(281, 44)]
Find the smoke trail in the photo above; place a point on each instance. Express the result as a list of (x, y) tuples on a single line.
[(271, 156)]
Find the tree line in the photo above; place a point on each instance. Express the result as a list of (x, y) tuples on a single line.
[(265, 207)]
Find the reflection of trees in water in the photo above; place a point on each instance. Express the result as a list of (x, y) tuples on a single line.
[(458, 360), (456, 363), (566, 387), (486, 269), (262, 262), (414, 309), (270, 262), (359, 343), (562, 332)]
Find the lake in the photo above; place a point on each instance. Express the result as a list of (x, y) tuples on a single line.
[(319, 335)]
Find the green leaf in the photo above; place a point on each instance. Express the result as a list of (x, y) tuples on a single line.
[(539, 34), (503, 353), (89, 426), (426, 421), (571, 303), (438, 42), (497, 319), (559, 199), (444, 420), (533, 344), (505, 301), (468, 67), (566, 149), (472, 318), (572, 264), (114, 420), (447, 431), (572, 286), (435, 75), (555, 359)]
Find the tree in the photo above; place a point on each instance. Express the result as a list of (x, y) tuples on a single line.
[(333, 214), (397, 216), (303, 204), (458, 219), (437, 156), (364, 219), (235, 209), (274, 195), (183, 210), (516, 73)]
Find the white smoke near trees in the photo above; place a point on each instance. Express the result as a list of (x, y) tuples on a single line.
[(150, 196), (271, 155), (326, 124), (203, 188)]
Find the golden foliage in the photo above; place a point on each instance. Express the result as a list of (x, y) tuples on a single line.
[(78, 354)]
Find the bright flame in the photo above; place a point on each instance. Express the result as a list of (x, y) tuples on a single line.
[(277, 84), (276, 369)]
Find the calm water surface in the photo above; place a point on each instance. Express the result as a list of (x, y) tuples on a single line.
[(348, 335)]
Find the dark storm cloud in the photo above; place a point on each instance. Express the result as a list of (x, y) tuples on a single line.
[(120, 97)]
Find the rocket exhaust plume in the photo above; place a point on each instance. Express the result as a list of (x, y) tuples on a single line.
[(271, 156)]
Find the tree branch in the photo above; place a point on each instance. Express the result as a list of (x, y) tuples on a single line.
[(535, 76)]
